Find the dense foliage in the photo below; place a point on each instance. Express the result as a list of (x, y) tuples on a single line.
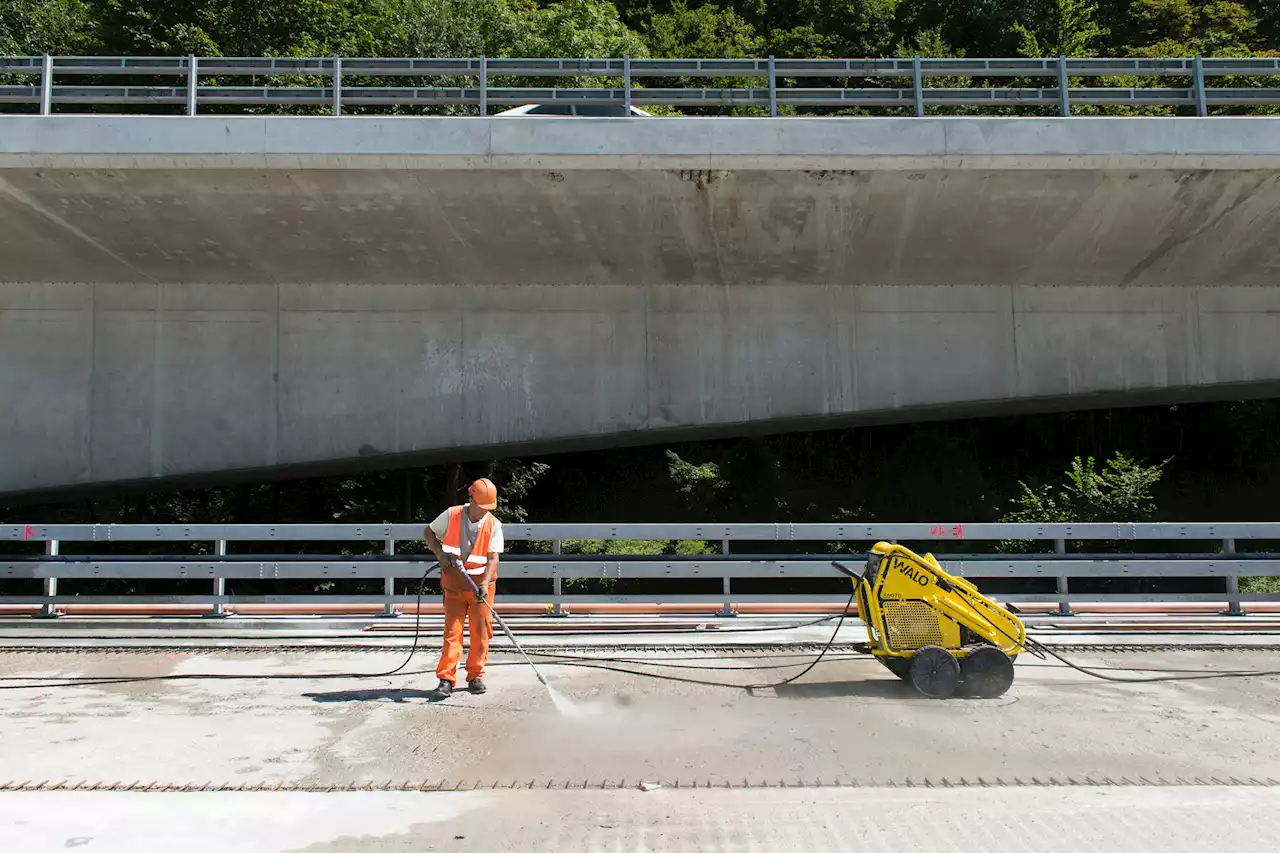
[(1204, 462), (798, 28)]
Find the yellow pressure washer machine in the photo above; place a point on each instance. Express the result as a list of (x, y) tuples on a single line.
[(934, 629)]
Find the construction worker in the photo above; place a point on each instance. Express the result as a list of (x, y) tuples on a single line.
[(466, 539)]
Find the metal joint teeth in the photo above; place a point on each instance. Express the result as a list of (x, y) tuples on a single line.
[(428, 786)]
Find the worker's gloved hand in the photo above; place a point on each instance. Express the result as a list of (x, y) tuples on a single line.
[(481, 594)]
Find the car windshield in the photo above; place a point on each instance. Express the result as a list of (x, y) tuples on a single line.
[(600, 110)]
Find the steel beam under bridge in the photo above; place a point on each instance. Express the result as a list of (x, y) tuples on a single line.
[(196, 297)]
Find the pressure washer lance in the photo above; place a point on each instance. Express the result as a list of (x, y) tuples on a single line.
[(563, 704)]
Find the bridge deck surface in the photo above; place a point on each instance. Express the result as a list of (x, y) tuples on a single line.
[(1113, 748)]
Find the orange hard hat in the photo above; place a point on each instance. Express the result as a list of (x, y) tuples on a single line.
[(484, 493)]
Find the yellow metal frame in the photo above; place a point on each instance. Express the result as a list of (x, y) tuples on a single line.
[(909, 602)]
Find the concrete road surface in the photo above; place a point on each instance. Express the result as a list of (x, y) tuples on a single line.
[(663, 821), (847, 722)]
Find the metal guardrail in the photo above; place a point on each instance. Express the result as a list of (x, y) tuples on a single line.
[(770, 532), (222, 565), (341, 92)]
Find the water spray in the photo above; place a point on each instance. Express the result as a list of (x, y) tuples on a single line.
[(566, 706)]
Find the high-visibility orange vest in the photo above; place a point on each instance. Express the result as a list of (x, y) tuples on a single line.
[(476, 561)]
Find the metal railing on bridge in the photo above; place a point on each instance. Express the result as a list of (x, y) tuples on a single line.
[(361, 83), (1153, 551)]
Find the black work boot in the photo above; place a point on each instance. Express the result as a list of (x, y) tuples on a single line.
[(443, 691), (477, 686)]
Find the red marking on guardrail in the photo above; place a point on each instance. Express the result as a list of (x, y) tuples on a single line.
[(955, 531), (28, 531)]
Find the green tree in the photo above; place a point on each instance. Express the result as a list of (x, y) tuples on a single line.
[(242, 27), (1060, 28), (1268, 12), (1186, 27), (1260, 585), (577, 28), (701, 31), (515, 480), (34, 27), (448, 28), (1157, 21), (803, 42), (1227, 28), (698, 485), (1119, 490), (979, 27), (929, 44), (856, 28)]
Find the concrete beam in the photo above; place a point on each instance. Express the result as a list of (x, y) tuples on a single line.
[(190, 297), (127, 382), (649, 226), (404, 142)]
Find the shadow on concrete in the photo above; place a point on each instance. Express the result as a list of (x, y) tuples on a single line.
[(874, 689), (394, 694), (878, 688)]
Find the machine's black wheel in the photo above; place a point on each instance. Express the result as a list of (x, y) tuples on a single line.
[(987, 673), (900, 667), (935, 672)]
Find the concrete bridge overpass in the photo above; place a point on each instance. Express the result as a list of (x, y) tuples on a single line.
[(199, 296)]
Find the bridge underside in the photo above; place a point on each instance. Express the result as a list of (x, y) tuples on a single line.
[(168, 323)]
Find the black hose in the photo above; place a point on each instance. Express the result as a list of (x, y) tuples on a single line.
[(90, 681), (1034, 647), (592, 664), (1197, 676)]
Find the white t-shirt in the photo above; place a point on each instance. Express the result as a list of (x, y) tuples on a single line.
[(468, 532)]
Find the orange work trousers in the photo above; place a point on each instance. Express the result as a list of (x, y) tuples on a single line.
[(460, 607)]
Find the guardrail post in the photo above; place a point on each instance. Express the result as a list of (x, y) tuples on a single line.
[(626, 84), (337, 85), (1064, 94), (1064, 606), (1233, 583), (918, 84), (727, 608), (557, 588), (46, 85), (484, 85), (219, 583), (49, 610), (193, 82), (389, 582), (1202, 105), (773, 88)]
